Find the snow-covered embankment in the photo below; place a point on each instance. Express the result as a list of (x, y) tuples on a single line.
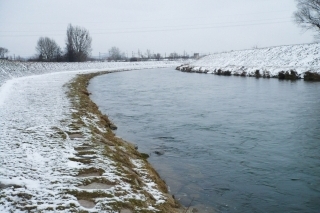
[(284, 62), (13, 69), (50, 159)]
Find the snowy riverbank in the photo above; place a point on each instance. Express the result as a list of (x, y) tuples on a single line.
[(286, 62), (13, 69), (55, 155)]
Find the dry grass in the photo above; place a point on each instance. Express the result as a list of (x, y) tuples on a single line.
[(116, 149), (91, 170)]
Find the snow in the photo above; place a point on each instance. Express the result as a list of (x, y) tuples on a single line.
[(31, 184), (35, 165), (4, 91), (13, 69), (271, 60), (150, 185)]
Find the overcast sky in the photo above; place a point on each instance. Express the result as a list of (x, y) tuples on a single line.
[(163, 26)]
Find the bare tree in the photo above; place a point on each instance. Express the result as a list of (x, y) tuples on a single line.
[(148, 54), (3, 52), (308, 14), (48, 49), (18, 58), (157, 56), (139, 54), (173, 55), (78, 44), (115, 54)]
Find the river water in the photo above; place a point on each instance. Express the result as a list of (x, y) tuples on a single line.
[(226, 144)]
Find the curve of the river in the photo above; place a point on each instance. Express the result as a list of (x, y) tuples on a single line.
[(231, 144)]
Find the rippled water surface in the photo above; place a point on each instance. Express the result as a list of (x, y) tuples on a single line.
[(231, 144)]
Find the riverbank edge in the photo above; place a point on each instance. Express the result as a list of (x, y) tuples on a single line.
[(80, 99), (282, 75)]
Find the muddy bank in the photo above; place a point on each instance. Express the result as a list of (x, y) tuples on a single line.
[(131, 165)]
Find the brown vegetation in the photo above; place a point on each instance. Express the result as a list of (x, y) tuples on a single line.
[(311, 76), (120, 151)]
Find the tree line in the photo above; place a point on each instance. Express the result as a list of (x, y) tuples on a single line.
[(115, 54), (77, 49)]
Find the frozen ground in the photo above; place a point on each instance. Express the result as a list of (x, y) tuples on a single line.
[(35, 161), (271, 61)]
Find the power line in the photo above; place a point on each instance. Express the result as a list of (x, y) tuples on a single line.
[(194, 25), (162, 30), (154, 20)]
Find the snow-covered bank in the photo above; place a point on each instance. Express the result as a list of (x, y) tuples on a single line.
[(291, 61), (12, 69), (49, 162)]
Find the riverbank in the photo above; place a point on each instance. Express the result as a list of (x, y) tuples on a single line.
[(16, 69), (143, 181), (58, 152), (283, 62)]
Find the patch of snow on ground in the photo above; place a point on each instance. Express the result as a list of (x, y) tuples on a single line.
[(150, 185)]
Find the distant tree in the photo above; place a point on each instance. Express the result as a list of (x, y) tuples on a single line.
[(149, 54), (139, 54), (48, 49), (115, 54), (157, 56), (78, 44), (18, 58), (173, 55), (33, 58), (3, 52), (308, 14)]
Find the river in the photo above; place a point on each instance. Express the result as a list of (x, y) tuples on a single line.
[(224, 143)]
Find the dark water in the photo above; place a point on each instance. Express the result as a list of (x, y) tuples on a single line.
[(231, 144)]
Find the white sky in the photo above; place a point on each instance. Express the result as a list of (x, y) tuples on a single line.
[(162, 26)]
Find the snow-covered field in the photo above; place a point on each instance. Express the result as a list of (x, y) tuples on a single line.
[(35, 161), (269, 61)]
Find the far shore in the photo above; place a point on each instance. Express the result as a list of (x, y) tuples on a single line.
[(282, 75)]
